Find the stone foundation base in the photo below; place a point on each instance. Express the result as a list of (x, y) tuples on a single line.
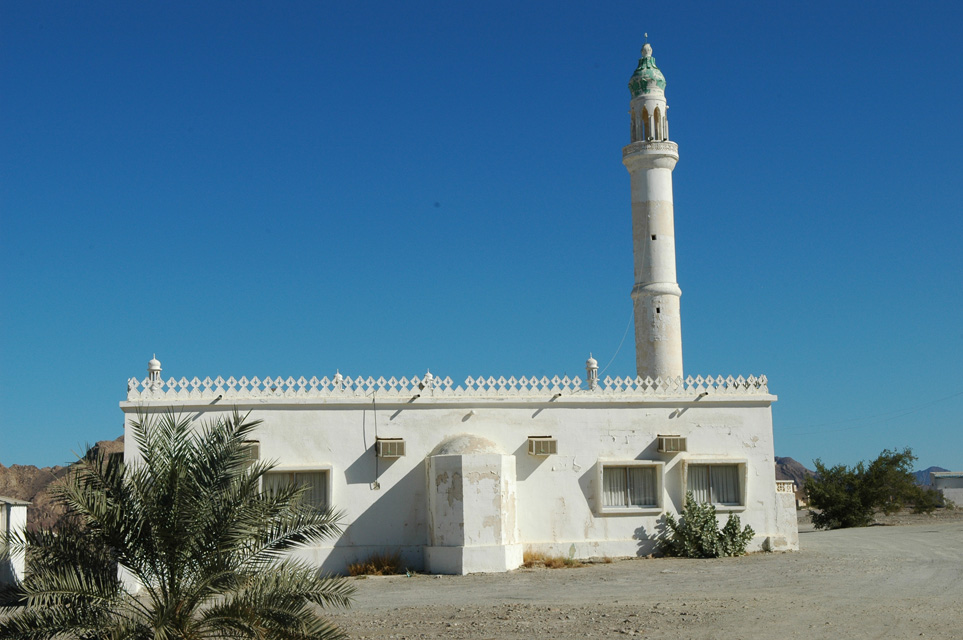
[(465, 560)]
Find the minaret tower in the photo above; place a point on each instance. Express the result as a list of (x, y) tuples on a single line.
[(650, 158)]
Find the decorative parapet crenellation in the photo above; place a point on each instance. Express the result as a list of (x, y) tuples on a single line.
[(345, 387)]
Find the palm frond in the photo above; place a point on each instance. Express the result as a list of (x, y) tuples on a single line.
[(189, 522), (280, 601)]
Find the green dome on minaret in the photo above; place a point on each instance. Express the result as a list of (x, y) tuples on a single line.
[(647, 77)]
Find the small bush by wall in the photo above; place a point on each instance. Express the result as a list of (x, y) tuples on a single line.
[(385, 563), (697, 534)]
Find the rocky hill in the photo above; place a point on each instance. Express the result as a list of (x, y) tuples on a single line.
[(27, 482), (789, 469), (923, 477)]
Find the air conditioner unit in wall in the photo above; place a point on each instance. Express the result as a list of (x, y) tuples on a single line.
[(671, 444), (390, 447), (542, 446)]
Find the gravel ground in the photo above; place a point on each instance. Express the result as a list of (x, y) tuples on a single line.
[(901, 581)]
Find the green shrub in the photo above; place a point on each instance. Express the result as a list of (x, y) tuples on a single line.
[(697, 534), (930, 499), (842, 496), (838, 497)]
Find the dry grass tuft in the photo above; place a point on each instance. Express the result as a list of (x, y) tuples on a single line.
[(378, 564), (532, 558), (538, 559)]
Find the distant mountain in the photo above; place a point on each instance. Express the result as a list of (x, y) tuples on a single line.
[(27, 482), (789, 469), (923, 477)]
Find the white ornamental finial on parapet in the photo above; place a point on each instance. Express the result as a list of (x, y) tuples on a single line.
[(154, 371), (428, 380), (592, 372), (338, 380)]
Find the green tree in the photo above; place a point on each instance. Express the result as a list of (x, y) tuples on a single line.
[(842, 496), (190, 524), (697, 534)]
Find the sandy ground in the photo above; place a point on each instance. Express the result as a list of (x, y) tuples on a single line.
[(901, 581)]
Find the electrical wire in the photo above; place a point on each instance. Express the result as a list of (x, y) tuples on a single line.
[(621, 342), (886, 416), (645, 249), (374, 413)]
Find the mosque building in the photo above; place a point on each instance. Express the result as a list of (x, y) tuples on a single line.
[(464, 477)]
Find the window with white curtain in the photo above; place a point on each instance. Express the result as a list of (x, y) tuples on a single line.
[(630, 486), (315, 481), (715, 483)]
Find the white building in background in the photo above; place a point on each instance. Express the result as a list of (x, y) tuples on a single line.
[(463, 478), (950, 484), (13, 520)]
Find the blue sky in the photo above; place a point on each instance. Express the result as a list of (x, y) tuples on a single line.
[(382, 188)]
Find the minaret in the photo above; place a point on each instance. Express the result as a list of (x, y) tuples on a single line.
[(650, 158)]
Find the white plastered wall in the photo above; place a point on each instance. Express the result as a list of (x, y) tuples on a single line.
[(386, 501), (13, 520), (950, 486)]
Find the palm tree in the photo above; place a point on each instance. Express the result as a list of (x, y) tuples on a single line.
[(191, 527)]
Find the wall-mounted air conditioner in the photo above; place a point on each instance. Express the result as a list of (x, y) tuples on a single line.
[(542, 446), (671, 444), (390, 447)]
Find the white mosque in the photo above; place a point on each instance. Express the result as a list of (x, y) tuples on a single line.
[(463, 477)]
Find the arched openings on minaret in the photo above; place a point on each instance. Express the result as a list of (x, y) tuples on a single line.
[(641, 125), (649, 126), (660, 131)]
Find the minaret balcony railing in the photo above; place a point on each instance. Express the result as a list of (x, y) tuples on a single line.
[(662, 147)]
